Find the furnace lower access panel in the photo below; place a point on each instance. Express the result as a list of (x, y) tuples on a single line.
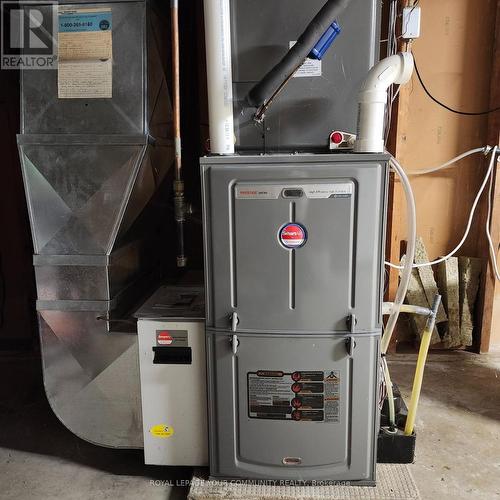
[(293, 407)]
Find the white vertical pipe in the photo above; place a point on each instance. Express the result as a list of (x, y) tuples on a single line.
[(219, 76)]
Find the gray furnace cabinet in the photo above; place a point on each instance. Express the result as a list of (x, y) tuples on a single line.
[(294, 278)]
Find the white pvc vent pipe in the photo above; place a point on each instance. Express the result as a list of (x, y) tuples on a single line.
[(219, 76), (372, 100)]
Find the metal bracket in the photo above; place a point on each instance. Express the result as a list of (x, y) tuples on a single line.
[(351, 322), (350, 345), (234, 324), (235, 342), (234, 321)]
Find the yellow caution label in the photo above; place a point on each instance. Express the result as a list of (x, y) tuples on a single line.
[(162, 431)]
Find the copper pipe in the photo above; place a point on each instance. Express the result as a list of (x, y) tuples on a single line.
[(176, 105), (179, 201)]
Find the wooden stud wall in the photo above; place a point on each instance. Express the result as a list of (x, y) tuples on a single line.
[(488, 310), (454, 55)]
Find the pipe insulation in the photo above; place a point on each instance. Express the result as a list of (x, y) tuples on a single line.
[(219, 76), (372, 99), (293, 59)]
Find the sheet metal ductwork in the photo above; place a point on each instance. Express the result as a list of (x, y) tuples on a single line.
[(93, 169)]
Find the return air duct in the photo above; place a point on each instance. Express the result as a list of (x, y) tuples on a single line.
[(93, 171)]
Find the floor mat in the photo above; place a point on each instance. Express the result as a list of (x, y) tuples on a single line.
[(394, 482)]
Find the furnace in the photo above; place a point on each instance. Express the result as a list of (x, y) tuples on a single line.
[(294, 266)]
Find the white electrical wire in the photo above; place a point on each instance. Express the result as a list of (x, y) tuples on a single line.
[(493, 253), (392, 47), (485, 150), (390, 394), (395, 95), (473, 209)]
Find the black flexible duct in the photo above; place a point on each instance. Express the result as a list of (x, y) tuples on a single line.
[(276, 77)]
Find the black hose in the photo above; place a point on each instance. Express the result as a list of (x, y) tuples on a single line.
[(274, 79)]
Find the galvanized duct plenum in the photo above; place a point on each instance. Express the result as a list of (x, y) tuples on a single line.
[(92, 167)]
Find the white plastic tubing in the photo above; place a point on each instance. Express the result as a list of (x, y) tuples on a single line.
[(406, 308), (219, 76), (410, 255)]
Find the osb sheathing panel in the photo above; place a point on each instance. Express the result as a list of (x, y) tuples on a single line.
[(448, 281), (469, 272), (416, 296), (454, 56), (427, 278)]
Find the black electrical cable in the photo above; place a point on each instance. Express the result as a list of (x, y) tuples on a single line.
[(458, 112), (414, 5)]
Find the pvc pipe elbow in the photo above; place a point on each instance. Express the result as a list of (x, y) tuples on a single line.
[(372, 100), (394, 69)]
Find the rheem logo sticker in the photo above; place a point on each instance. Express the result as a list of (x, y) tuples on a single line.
[(292, 235), (163, 338)]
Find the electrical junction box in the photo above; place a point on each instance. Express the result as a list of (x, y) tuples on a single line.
[(410, 23), (294, 249), (172, 363)]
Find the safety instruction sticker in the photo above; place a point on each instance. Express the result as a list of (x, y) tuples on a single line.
[(85, 53), (310, 67), (162, 431), (301, 396)]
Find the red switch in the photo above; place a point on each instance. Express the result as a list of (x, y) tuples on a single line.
[(337, 137)]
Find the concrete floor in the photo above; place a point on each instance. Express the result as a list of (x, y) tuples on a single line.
[(458, 424), (458, 443), (40, 459)]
